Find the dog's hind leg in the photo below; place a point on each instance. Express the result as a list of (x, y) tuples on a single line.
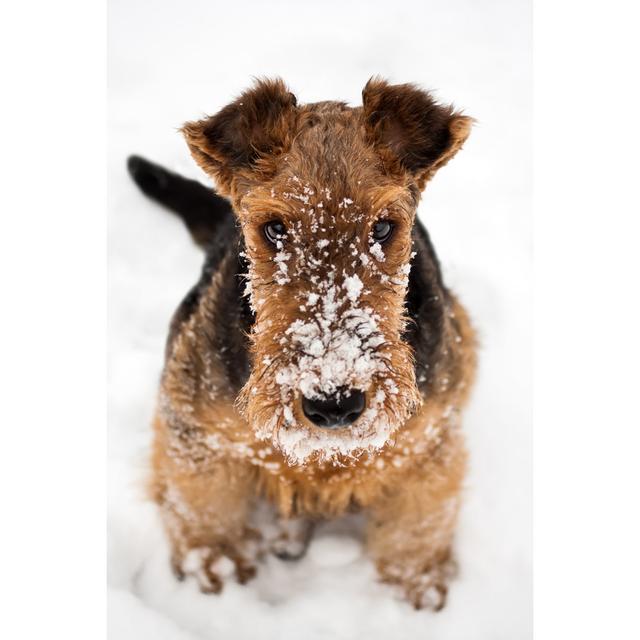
[(293, 537), (201, 208)]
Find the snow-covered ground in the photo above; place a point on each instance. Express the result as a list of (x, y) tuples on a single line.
[(171, 61)]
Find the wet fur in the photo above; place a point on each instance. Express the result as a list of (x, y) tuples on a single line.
[(209, 467)]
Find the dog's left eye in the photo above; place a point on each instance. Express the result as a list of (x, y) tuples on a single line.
[(382, 230), (274, 230)]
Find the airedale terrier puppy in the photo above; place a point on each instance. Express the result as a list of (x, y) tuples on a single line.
[(320, 364)]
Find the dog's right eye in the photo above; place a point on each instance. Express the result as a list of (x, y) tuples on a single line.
[(382, 231), (274, 231)]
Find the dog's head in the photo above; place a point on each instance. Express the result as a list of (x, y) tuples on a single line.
[(326, 198)]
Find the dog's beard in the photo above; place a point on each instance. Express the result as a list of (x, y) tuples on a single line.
[(387, 409), (341, 344), (341, 337), (273, 411)]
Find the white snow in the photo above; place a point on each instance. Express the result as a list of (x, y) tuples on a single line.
[(376, 251), (169, 66), (281, 259), (353, 285)]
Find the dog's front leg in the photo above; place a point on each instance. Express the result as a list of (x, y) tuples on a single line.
[(410, 531), (205, 512)]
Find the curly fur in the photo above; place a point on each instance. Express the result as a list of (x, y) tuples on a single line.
[(324, 309)]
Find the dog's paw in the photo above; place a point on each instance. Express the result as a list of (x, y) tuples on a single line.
[(211, 566), (292, 539), (424, 589), (427, 591)]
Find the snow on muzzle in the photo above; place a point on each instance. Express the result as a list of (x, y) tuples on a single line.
[(330, 359)]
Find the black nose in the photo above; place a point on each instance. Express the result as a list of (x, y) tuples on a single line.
[(336, 411)]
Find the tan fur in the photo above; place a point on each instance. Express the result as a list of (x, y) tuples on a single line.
[(210, 467)]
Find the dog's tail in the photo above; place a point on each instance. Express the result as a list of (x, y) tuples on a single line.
[(201, 209)]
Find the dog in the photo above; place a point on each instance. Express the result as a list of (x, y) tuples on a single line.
[(320, 364)]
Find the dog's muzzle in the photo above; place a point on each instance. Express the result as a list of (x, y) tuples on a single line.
[(336, 411)]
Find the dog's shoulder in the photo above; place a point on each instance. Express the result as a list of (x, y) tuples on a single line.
[(224, 256)]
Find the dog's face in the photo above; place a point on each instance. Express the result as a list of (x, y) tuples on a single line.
[(326, 198)]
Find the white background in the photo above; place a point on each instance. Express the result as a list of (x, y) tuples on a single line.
[(52, 260), (178, 61)]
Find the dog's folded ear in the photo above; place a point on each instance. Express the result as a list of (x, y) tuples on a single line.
[(410, 130), (240, 138)]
